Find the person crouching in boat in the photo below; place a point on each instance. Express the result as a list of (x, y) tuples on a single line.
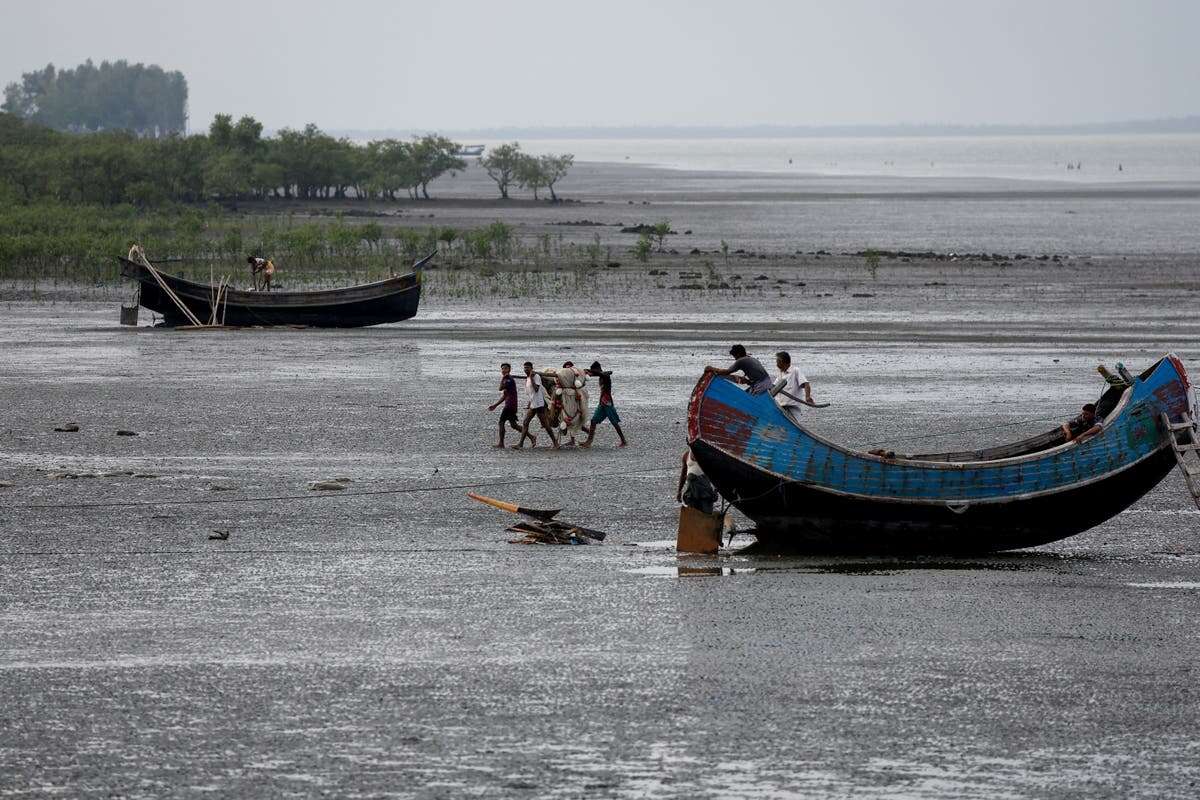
[(264, 268), (694, 490), (755, 375), (788, 387), (1085, 426)]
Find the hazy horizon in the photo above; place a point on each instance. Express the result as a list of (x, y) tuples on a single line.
[(409, 66)]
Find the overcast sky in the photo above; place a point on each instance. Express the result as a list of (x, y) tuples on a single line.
[(463, 64)]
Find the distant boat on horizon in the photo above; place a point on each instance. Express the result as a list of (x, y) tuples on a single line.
[(470, 150)]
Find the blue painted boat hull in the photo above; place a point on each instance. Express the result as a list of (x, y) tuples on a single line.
[(805, 493), (795, 516)]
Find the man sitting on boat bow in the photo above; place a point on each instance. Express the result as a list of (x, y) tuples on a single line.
[(755, 374)]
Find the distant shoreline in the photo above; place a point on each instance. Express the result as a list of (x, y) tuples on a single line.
[(1172, 125)]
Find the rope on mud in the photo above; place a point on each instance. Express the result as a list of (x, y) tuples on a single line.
[(328, 495)]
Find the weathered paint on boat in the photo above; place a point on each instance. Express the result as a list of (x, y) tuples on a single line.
[(390, 300), (805, 492)]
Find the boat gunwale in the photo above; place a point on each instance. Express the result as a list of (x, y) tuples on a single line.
[(1118, 410)]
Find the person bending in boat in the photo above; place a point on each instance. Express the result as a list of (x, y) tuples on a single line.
[(1085, 426), (263, 267), (605, 409), (755, 375), (789, 386), (535, 406)]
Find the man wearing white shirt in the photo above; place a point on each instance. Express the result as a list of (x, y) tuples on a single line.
[(789, 386), (535, 406)]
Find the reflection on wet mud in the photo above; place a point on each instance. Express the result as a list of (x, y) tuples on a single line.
[(740, 564)]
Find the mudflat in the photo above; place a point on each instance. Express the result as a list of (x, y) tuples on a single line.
[(782, 213), (387, 640)]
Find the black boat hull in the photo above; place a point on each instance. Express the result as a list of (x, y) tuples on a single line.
[(791, 515), (392, 300)]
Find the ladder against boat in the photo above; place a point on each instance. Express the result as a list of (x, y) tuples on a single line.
[(1185, 441)]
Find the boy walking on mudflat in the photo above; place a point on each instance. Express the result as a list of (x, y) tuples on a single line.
[(605, 409), (508, 396)]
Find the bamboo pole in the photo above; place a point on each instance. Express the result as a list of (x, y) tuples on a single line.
[(137, 254)]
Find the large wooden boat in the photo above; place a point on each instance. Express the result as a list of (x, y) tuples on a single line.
[(806, 493), (390, 300)]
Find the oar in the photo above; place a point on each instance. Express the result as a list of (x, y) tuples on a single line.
[(546, 514), (805, 402)]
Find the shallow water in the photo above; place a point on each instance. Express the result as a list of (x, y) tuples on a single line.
[(394, 644)]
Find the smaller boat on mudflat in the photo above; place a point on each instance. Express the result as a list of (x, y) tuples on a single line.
[(806, 493), (390, 300)]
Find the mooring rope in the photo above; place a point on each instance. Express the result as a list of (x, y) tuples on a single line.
[(327, 495)]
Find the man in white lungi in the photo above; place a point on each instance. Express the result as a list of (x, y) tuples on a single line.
[(789, 387)]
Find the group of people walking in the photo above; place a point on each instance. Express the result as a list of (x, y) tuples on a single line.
[(540, 405)]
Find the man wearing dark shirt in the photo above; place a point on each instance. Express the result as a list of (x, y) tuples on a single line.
[(508, 396), (605, 409), (755, 374), (1085, 426)]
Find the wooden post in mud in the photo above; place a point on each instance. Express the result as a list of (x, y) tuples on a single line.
[(698, 532)]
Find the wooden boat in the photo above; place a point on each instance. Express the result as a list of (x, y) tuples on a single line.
[(806, 493), (390, 300)]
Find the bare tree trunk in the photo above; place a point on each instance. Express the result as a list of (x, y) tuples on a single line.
[(553, 196)]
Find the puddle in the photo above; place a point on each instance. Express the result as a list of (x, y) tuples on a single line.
[(690, 572), (1192, 585)]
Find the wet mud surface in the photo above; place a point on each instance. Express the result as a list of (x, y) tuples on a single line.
[(386, 640)]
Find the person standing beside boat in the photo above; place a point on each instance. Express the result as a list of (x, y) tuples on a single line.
[(535, 406), (695, 490), (755, 373), (788, 387)]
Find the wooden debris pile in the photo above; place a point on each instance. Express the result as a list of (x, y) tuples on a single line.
[(540, 525)]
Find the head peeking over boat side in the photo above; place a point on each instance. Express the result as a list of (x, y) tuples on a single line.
[(1084, 426)]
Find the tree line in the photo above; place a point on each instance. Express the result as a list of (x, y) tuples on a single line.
[(117, 95), (234, 161)]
